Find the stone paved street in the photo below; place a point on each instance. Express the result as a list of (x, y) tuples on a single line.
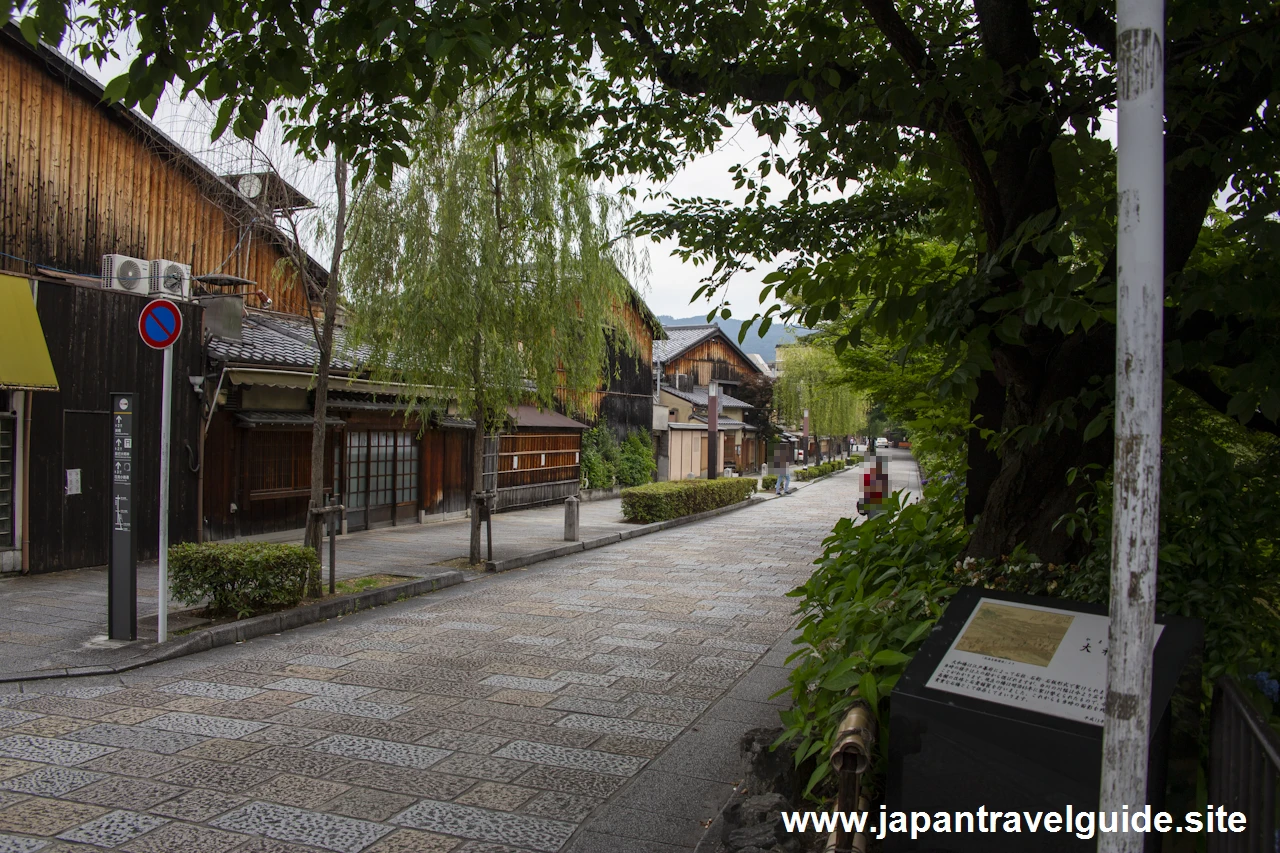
[(573, 705)]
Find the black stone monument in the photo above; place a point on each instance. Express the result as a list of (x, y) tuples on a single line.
[(1036, 744)]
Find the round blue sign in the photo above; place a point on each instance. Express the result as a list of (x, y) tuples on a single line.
[(160, 323)]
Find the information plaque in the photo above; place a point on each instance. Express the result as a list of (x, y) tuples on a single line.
[(1028, 656), (122, 574), (1002, 709)]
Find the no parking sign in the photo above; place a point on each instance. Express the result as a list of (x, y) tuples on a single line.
[(160, 324)]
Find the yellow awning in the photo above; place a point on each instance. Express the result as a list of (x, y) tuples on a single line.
[(24, 358)]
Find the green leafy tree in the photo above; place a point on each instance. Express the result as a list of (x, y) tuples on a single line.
[(905, 126), (486, 273)]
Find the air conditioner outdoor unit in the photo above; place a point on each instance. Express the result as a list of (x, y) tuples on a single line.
[(121, 272), (170, 279)]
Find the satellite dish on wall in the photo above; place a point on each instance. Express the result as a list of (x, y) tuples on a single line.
[(250, 186)]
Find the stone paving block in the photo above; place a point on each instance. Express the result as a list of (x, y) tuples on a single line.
[(39, 816), (403, 780), (472, 742), (285, 736), (219, 749), (569, 781), (353, 707), (530, 833), (65, 706), (66, 753), (368, 804), (382, 751), (599, 707), (210, 690), (323, 661), (129, 716), (498, 710), (415, 841), (599, 842), (320, 688), (627, 642), (184, 838), (301, 718), (485, 767), (577, 759), (495, 795), (228, 778), (122, 792), (613, 726), (297, 760), (10, 767), (512, 730), (271, 845), (573, 808), (525, 640), (198, 805), (301, 791), (113, 828), (10, 717), (380, 729), (132, 762), (50, 781), (667, 716), (284, 823), (479, 627), (133, 737), (16, 844), (588, 678), (201, 724)]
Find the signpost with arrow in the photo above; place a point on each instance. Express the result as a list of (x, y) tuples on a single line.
[(122, 576)]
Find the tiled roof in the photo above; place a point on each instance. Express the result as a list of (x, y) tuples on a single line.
[(698, 396), (279, 340), (723, 422), (682, 338)]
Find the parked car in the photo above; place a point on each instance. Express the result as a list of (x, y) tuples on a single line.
[(882, 442)]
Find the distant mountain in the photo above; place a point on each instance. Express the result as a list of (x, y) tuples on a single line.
[(777, 334)]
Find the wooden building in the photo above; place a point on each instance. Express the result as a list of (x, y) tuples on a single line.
[(387, 466), (81, 179), (626, 401), (687, 362)]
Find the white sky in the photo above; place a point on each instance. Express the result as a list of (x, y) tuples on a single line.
[(671, 282)]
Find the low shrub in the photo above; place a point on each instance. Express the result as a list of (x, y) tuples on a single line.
[(769, 482), (662, 501), (242, 578)]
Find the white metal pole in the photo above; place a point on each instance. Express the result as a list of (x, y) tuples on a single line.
[(1139, 381), (166, 405)]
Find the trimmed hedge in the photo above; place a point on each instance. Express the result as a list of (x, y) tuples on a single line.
[(769, 482), (662, 501), (242, 578)]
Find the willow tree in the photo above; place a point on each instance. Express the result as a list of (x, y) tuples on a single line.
[(810, 377), (486, 275)]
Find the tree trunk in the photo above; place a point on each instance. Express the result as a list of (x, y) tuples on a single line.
[(477, 452), (314, 530), (1030, 493)]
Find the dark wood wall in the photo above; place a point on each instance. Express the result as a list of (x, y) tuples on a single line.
[(626, 401), (265, 471), (92, 335), (712, 359), (81, 179)]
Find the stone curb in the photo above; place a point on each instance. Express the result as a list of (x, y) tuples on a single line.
[(589, 544), (254, 626)]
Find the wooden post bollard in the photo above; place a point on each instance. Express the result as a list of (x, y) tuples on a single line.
[(571, 504)]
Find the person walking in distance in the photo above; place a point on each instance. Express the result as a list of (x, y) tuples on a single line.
[(784, 469)]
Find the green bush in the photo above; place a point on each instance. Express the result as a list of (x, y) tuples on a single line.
[(635, 460), (769, 482), (661, 501), (878, 589), (242, 578), (600, 454)]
